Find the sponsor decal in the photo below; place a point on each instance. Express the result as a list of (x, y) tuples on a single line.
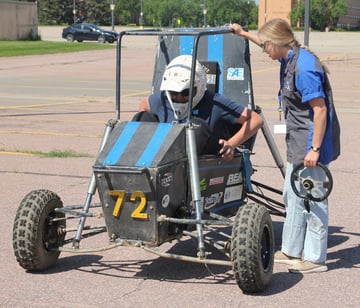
[(210, 79), (216, 181), (235, 73), (213, 200), (203, 185), (233, 193), (234, 178), (165, 201), (166, 179)]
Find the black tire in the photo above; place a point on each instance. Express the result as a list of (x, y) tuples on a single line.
[(252, 248), (101, 39), (36, 238), (69, 38)]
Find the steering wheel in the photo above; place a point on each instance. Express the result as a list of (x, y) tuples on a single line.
[(311, 184)]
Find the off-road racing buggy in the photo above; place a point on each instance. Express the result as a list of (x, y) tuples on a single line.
[(153, 188)]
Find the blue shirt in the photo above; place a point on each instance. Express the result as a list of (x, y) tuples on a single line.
[(302, 79), (220, 113)]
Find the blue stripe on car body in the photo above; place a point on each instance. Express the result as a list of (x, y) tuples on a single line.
[(120, 145)]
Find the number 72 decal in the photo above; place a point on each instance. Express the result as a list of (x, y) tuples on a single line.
[(137, 197)]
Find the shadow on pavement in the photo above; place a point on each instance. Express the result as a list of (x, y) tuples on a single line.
[(343, 258), (162, 269)]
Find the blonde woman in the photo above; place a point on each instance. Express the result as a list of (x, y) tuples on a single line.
[(312, 136)]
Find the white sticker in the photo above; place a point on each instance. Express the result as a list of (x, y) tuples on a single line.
[(234, 178), (233, 193), (235, 73), (213, 200), (280, 129), (165, 201)]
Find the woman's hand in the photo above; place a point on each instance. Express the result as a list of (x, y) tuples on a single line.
[(237, 29), (311, 158)]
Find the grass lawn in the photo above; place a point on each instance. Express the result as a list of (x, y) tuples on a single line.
[(26, 48)]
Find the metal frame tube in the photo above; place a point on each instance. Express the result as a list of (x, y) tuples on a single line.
[(272, 145), (194, 182), (91, 189)]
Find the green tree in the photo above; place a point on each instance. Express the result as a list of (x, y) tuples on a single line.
[(297, 13), (229, 11), (167, 13), (159, 13), (97, 11), (323, 13), (127, 12), (338, 8), (61, 12), (54, 12)]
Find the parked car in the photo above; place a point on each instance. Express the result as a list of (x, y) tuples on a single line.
[(88, 32)]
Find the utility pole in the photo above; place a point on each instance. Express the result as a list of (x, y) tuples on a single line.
[(74, 11), (204, 9), (307, 23), (112, 8)]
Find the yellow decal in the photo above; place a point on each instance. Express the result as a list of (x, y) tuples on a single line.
[(136, 197), (120, 194), (137, 213)]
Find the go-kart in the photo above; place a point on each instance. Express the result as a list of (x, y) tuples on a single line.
[(153, 187)]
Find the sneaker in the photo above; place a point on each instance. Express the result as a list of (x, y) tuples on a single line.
[(305, 267), (280, 257)]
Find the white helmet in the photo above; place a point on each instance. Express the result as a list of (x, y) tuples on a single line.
[(177, 78)]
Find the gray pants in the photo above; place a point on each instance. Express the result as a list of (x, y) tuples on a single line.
[(304, 234)]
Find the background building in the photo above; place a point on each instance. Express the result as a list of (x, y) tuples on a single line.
[(269, 9), (18, 20), (352, 19)]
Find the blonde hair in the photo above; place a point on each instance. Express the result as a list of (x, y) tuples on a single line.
[(279, 32)]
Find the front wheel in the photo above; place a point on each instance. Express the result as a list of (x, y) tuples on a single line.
[(38, 230), (69, 38), (252, 248)]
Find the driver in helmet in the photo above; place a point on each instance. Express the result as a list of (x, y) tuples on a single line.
[(213, 112)]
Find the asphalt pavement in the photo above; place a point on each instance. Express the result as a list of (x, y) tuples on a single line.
[(63, 101)]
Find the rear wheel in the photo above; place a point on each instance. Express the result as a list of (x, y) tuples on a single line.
[(101, 39), (252, 248), (36, 234)]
